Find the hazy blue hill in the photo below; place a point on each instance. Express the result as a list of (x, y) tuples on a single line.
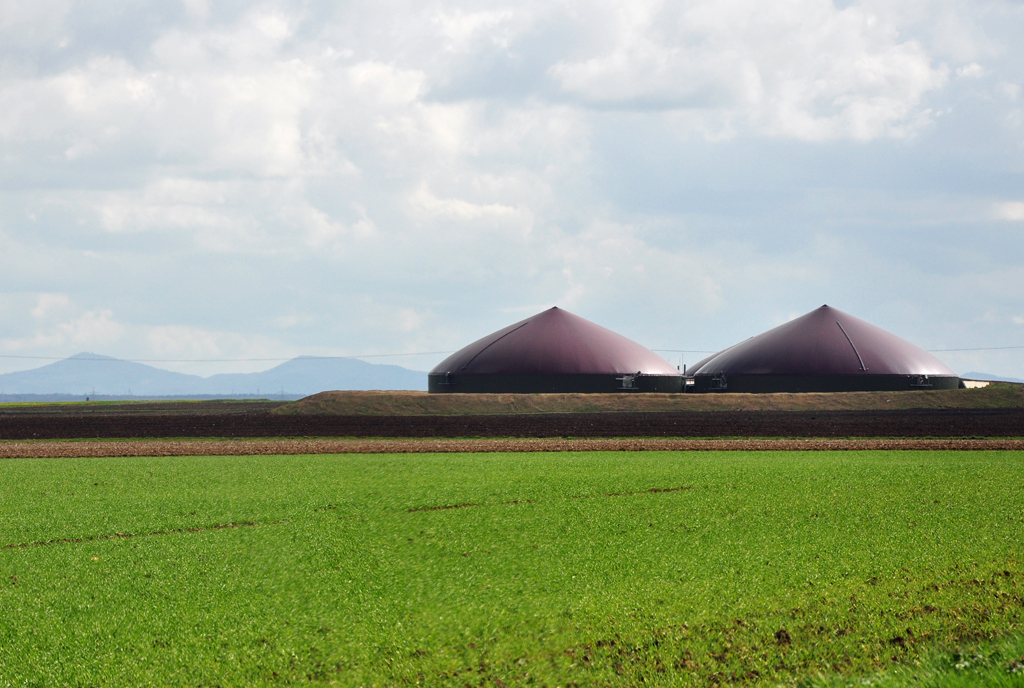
[(988, 376), (86, 373), (309, 375)]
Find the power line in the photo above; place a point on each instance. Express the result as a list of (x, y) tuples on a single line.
[(355, 356), (984, 348), (218, 360)]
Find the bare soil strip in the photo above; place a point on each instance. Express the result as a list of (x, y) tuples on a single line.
[(653, 490), (125, 536), (445, 507), (59, 449), (898, 423)]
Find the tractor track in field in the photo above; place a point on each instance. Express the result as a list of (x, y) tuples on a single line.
[(129, 448), (127, 536), (469, 505)]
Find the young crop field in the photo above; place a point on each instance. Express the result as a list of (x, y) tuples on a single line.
[(555, 569)]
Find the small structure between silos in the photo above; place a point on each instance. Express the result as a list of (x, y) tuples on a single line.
[(825, 350), (554, 351)]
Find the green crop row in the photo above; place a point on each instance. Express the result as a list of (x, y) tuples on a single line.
[(669, 568)]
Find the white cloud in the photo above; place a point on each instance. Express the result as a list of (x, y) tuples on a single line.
[(92, 328), (462, 28), (198, 10), (47, 304), (805, 70), (409, 320), (89, 329), (188, 348), (970, 71), (1010, 210), (422, 199), (612, 263), (177, 341), (387, 84)]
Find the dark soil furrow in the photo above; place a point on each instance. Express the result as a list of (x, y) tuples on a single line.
[(443, 507), (961, 423), (653, 490), (126, 536)]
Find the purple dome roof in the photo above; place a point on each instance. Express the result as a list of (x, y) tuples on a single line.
[(555, 342), (825, 341)]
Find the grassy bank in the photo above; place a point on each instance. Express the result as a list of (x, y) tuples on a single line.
[(997, 395), (506, 569)]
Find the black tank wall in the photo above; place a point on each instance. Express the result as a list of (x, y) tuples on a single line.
[(538, 384), (765, 384)]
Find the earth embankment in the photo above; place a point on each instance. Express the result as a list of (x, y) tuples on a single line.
[(371, 403), (996, 412)]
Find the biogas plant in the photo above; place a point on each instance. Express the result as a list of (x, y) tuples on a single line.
[(825, 350)]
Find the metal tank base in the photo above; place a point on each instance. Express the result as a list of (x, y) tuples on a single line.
[(440, 383), (768, 384)]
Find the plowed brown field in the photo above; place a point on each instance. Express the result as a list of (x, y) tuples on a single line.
[(64, 449), (996, 412), (823, 424)]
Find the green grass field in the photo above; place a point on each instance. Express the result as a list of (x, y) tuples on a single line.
[(830, 569)]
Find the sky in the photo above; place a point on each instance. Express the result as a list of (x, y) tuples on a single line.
[(210, 184)]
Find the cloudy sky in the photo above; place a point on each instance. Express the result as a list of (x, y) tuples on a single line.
[(190, 179)]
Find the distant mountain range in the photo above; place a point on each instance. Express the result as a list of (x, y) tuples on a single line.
[(987, 376), (89, 374)]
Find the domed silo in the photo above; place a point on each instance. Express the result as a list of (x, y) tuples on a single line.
[(825, 350), (554, 351)]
